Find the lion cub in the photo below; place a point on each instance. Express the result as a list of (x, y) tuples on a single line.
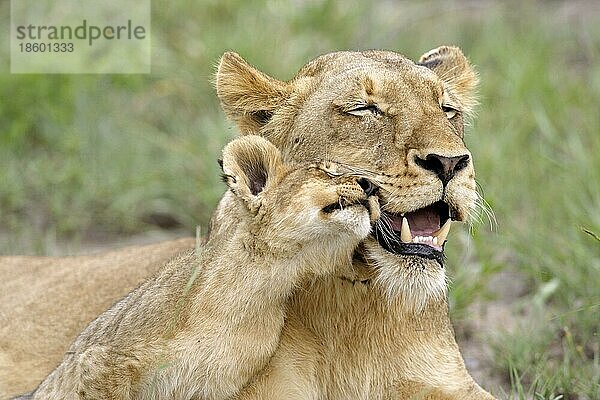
[(207, 322)]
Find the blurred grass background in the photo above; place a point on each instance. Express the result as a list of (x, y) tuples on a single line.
[(86, 158)]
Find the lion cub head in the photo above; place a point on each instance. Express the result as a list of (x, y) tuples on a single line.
[(297, 210), (398, 123)]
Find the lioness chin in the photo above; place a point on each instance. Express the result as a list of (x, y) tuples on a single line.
[(377, 328), (207, 323)]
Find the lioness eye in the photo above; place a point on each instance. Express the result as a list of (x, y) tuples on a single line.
[(366, 109), (450, 112)]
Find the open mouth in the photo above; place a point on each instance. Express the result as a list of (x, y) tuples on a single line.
[(421, 232)]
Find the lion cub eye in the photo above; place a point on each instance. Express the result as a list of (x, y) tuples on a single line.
[(450, 112), (367, 109)]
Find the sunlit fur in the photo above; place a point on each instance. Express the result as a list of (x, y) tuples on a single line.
[(210, 320)]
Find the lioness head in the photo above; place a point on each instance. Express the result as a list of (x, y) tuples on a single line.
[(397, 123), (298, 209)]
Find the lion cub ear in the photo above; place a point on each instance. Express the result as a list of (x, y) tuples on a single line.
[(251, 164), (453, 68), (247, 95)]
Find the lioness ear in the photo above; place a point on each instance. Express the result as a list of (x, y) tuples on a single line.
[(251, 164), (247, 95), (450, 64)]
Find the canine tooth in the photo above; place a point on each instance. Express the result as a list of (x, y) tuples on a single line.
[(442, 233), (435, 241), (405, 235)]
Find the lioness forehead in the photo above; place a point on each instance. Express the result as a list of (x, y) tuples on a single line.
[(346, 63), (341, 60)]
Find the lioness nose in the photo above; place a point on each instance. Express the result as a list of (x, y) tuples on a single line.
[(444, 167), (367, 186)]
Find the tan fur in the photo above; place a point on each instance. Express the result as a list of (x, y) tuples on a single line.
[(46, 301), (209, 321), (364, 333)]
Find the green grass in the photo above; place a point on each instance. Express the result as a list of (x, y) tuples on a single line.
[(83, 156)]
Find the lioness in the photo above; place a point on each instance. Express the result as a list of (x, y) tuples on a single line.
[(378, 328), (208, 322), (400, 124)]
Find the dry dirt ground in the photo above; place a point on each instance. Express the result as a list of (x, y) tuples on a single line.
[(485, 319)]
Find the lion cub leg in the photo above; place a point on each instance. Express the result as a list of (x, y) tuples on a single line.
[(97, 373), (106, 374), (418, 390)]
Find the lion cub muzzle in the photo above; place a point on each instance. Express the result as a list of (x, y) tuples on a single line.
[(357, 192)]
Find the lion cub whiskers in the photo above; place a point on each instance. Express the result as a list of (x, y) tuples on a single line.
[(207, 322)]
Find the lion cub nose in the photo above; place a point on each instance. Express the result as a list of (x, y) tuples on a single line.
[(367, 186), (444, 167)]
